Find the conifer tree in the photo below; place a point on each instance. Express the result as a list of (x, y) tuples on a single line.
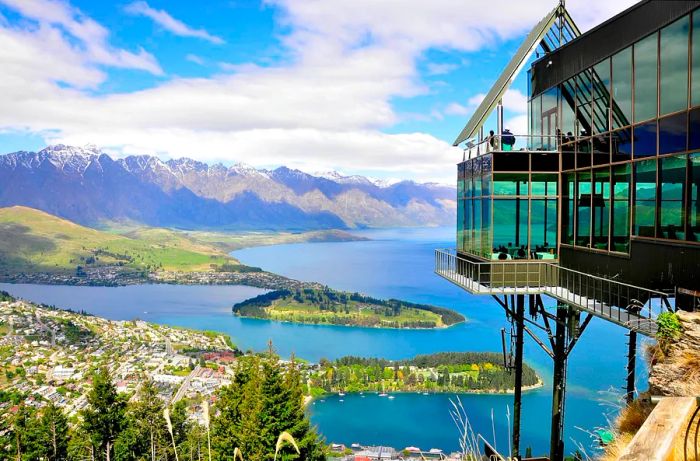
[(104, 418), (54, 433)]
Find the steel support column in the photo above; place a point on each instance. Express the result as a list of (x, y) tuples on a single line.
[(518, 385), (556, 447), (631, 366)]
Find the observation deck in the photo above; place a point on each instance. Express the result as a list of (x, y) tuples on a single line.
[(629, 306)]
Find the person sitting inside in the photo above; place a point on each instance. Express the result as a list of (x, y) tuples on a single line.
[(507, 139), (522, 254), (491, 142)]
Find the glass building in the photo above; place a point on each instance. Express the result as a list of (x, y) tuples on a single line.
[(607, 179)]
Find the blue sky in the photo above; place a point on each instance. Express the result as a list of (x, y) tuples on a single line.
[(375, 87)]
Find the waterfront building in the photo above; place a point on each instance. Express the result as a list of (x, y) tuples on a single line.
[(598, 204)]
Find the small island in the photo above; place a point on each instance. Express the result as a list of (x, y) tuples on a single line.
[(460, 372), (332, 307)]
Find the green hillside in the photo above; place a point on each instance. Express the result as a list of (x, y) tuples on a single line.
[(35, 241)]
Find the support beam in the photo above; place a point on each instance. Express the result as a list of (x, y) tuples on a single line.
[(518, 384), (559, 385), (631, 366)]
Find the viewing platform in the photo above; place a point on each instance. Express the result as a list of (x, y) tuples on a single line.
[(629, 306)]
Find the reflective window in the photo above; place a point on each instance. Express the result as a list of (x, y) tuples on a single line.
[(476, 225), (621, 145), (567, 213), (568, 104), (600, 94), (583, 103), (622, 88), (694, 205), (673, 133), (568, 156), (510, 227), (620, 211), (645, 198), (674, 66), (549, 123), (543, 222), (645, 139), (600, 148), (486, 237), (461, 203), (583, 209), (509, 184), (695, 85), (600, 209), (536, 123), (544, 184), (694, 127), (645, 67), (583, 153), (672, 180)]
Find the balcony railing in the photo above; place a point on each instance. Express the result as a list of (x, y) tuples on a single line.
[(633, 307), (512, 143)]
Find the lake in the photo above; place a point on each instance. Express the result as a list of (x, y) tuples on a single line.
[(395, 263)]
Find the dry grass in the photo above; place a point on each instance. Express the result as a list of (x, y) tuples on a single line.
[(632, 417)]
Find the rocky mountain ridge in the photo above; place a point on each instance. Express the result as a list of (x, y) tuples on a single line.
[(87, 186)]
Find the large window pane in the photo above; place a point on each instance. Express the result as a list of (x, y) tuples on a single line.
[(620, 212), (601, 208), (543, 230), (510, 227), (509, 184), (544, 184), (568, 105), (486, 237), (695, 85), (694, 205), (460, 224), (645, 66), (583, 103), (622, 88), (674, 66), (621, 143), (645, 198), (645, 139), (568, 204), (673, 133), (536, 123), (672, 178), (600, 94), (583, 209)]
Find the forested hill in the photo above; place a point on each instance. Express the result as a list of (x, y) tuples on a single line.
[(343, 308), (441, 372)]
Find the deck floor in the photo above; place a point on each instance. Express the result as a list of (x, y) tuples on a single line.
[(620, 316)]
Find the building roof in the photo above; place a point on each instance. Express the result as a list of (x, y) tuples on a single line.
[(517, 62)]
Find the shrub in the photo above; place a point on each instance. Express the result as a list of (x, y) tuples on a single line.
[(669, 327)]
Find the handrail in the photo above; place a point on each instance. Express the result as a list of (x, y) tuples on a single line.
[(623, 303), (483, 147)]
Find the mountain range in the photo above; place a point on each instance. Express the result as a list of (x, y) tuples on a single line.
[(89, 187)]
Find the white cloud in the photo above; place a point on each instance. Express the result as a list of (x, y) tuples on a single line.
[(434, 68), (323, 107), (195, 59), (58, 22), (167, 22)]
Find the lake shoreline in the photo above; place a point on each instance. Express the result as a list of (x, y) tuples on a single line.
[(373, 327), (526, 389)]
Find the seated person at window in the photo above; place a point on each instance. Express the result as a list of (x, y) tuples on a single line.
[(508, 139), (522, 254)]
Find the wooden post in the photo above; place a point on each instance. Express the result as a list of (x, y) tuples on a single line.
[(518, 385)]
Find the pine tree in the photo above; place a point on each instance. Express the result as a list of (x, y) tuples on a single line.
[(54, 433), (104, 418)]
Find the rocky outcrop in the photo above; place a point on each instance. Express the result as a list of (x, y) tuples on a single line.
[(676, 370)]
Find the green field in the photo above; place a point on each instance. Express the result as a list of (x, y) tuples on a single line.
[(341, 308), (35, 241)]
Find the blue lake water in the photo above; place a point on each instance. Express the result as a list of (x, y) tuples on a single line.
[(395, 263)]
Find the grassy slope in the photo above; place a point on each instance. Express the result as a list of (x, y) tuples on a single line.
[(289, 310), (32, 240)]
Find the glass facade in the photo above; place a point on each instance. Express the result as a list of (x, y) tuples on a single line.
[(628, 132), (630, 128), (506, 215)]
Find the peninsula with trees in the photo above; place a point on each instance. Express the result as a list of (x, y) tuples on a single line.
[(332, 307), (459, 372)]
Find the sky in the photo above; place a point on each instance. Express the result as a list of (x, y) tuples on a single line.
[(374, 87)]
